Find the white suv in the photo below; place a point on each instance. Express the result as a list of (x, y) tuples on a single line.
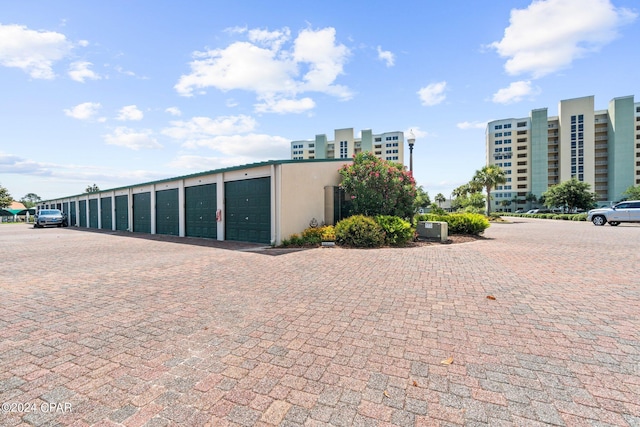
[(628, 211)]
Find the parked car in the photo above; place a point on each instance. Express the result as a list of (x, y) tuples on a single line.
[(628, 211), (538, 211), (519, 211), (48, 217)]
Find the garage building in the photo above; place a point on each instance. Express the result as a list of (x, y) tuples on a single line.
[(260, 202)]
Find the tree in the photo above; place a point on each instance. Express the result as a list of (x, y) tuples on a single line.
[(487, 178), (5, 198), (633, 193), (92, 189), (422, 199), (440, 199), (571, 194), (30, 200), (531, 198), (378, 187)]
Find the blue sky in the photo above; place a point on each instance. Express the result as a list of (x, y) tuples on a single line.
[(122, 92)]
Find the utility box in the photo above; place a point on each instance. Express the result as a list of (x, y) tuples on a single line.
[(433, 230)]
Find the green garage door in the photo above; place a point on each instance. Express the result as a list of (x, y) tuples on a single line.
[(105, 213), (82, 207), (93, 213), (142, 212), (248, 210), (72, 214), (122, 213), (167, 208), (200, 211)]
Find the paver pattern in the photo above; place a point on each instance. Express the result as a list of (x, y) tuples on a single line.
[(102, 329)]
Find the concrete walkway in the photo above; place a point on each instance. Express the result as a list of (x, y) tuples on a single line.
[(104, 329)]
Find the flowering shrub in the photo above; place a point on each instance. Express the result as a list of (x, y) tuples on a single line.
[(312, 236), (359, 231), (378, 187), (397, 231)]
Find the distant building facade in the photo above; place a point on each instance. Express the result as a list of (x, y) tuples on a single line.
[(601, 148), (387, 146)]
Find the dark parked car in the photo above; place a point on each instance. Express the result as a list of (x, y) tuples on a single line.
[(48, 217)]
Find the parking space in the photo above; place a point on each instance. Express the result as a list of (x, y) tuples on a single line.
[(105, 329)]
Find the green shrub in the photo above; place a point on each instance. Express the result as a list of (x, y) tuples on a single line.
[(359, 231), (460, 223), (293, 240), (397, 231), (312, 235)]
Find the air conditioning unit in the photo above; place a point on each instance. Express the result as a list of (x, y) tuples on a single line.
[(433, 230)]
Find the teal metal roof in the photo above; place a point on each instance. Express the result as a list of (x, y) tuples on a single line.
[(210, 172)]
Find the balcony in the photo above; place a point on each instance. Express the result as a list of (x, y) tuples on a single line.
[(602, 138)]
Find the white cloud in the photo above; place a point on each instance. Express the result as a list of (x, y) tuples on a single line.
[(199, 128), (283, 106), (417, 133), (203, 163), (433, 94), (471, 125), (79, 71), (130, 113), (34, 52), (132, 139), (84, 111), (550, 34), (230, 136), (270, 68), (250, 146), (174, 111), (11, 164), (386, 56), (514, 93)]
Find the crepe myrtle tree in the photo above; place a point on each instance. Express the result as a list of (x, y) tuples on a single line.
[(378, 187)]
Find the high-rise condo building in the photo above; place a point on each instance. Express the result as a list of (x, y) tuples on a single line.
[(387, 146), (599, 147)]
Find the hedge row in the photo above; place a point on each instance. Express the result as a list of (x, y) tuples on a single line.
[(460, 223), (357, 231), (564, 217)]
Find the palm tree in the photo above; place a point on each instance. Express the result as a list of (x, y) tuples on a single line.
[(488, 177), (531, 198), (440, 199)]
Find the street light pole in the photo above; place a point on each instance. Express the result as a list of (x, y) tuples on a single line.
[(411, 141)]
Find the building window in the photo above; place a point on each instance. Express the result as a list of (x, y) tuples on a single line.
[(507, 126), (507, 141), (498, 127), (522, 124), (343, 149), (507, 133)]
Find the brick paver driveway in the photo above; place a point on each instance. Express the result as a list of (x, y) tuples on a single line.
[(101, 329)]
